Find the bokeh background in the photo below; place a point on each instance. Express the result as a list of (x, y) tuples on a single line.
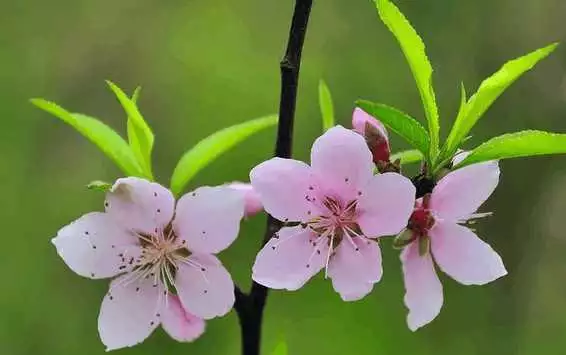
[(207, 64)]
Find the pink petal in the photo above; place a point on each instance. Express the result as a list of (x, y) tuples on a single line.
[(462, 192), (423, 290), (252, 200), (463, 256), (360, 118), (178, 323), (95, 246), (341, 160), (385, 205), (290, 260), (354, 270), (205, 287), (285, 187), (209, 218), (140, 205), (129, 312)]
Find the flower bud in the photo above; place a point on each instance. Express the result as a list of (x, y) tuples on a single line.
[(376, 137), (252, 204)]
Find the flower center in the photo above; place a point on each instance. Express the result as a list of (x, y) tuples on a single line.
[(421, 220), (337, 222), (161, 253)]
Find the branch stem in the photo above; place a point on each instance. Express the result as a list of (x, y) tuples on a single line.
[(250, 306)]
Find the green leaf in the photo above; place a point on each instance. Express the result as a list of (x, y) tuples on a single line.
[(489, 90), (107, 140), (281, 349), (98, 185), (414, 50), (208, 149), (140, 135), (326, 106), (517, 145), (407, 156), (401, 123)]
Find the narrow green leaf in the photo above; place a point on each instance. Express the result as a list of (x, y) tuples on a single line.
[(489, 90), (140, 135), (131, 128), (107, 140), (281, 349), (401, 123), (407, 156), (414, 50), (463, 97), (205, 151), (516, 145), (326, 106)]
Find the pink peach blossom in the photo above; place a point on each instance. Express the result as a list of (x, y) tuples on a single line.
[(153, 248), (333, 210), (437, 233)]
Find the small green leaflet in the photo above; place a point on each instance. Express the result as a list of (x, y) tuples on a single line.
[(326, 106), (281, 349), (407, 156), (205, 151), (401, 123), (516, 145), (140, 135), (98, 185), (414, 50), (107, 140), (489, 90)]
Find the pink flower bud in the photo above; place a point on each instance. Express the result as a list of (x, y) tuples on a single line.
[(375, 134), (252, 203)]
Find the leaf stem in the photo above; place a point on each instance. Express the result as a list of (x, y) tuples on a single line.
[(250, 306)]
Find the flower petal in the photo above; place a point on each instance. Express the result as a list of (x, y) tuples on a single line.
[(462, 192), (423, 290), (209, 218), (285, 187), (95, 246), (290, 260), (129, 312), (462, 255), (341, 160), (359, 120), (354, 270), (385, 205), (140, 205), (205, 286), (178, 323), (251, 198)]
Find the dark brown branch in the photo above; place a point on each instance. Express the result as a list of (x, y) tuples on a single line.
[(250, 307)]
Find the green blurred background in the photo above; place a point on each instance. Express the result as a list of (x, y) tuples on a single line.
[(207, 64)]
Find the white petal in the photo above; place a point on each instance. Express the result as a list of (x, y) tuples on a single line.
[(129, 312), (95, 246), (205, 287), (140, 205), (209, 218)]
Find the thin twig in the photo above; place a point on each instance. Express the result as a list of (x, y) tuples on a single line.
[(250, 307)]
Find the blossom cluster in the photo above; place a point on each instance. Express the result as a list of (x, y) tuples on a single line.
[(161, 254)]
